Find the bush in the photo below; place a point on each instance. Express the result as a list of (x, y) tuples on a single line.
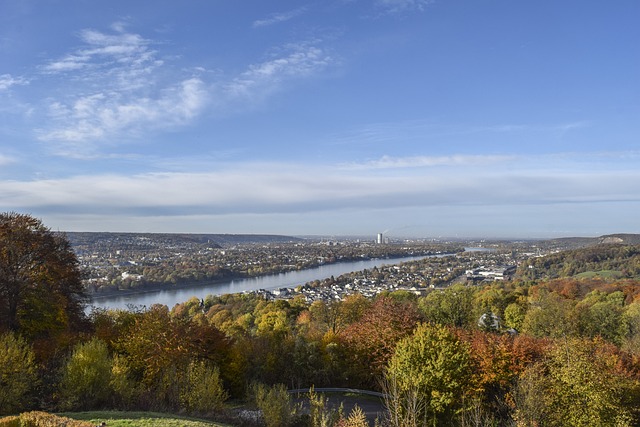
[(275, 404), (18, 376), (43, 419), (13, 421), (87, 376), (204, 392)]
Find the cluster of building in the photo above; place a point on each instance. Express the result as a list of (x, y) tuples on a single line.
[(417, 277)]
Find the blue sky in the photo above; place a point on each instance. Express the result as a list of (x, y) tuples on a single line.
[(337, 117)]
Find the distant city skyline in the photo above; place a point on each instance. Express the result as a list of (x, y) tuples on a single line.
[(426, 118)]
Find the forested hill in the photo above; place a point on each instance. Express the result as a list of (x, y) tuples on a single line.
[(607, 260), (580, 242), (152, 240)]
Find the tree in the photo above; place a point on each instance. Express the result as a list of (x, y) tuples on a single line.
[(87, 376), (452, 306), (549, 316), (18, 374), (578, 385), (436, 365), (204, 392), (40, 282), (370, 341)]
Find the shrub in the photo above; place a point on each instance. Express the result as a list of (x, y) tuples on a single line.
[(18, 375), (13, 421), (43, 419), (204, 391), (275, 404), (126, 389), (86, 376)]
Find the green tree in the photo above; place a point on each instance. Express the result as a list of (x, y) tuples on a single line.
[(600, 314), (436, 365), (18, 374), (578, 385), (631, 328), (514, 316), (203, 391), (87, 376), (40, 282), (452, 306), (549, 315)]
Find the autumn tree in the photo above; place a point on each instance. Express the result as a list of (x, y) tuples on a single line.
[(41, 290), (87, 376), (18, 373), (579, 384), (158, 350), (549, 315), (452, 306), (432, 367), (371, 341)]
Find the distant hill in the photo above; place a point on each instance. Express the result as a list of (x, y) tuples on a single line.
[(150, 240), (599, 259), (582, 242)]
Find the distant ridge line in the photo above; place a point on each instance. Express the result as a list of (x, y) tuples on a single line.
[(77, 238)]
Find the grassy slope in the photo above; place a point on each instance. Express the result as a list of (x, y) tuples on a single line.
[(140, 419)]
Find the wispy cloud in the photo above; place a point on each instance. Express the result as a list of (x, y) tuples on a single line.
[(103, 114), (398, 6), (279, 17), (290, 188), (7, 81), (389, 162), (119, 86), (121, 54), (116, 89), (293, 62)]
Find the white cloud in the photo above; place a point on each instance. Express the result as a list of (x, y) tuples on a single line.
[(277, 18), (103, 49), (116, 92), (7, 81), (287, 188), (397, 6), (96, 116), (263, 79), (121, 87), (388, 162)]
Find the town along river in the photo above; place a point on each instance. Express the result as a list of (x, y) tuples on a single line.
[(292, 279)]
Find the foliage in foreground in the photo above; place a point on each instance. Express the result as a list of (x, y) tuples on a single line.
[(41, 419)]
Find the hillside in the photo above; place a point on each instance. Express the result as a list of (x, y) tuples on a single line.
[(607, 260), (153, 240), (581, 242)]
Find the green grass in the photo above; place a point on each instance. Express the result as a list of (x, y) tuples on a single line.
[(605, 274), (140, 419)]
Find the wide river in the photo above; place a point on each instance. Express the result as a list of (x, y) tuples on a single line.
[(171, 297)]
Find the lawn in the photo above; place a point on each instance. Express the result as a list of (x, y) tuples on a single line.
[(140, 419)]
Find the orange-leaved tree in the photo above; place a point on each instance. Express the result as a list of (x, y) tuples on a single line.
[(41, 290)]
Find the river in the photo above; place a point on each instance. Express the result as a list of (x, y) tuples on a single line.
[(171, 297)]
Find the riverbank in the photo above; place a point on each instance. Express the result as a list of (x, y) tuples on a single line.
[(172, 294), (157, 287)]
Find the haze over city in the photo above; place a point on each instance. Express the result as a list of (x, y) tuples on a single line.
[(413, 117)]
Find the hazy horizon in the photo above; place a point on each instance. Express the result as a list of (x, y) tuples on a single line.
[(345, 117)]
